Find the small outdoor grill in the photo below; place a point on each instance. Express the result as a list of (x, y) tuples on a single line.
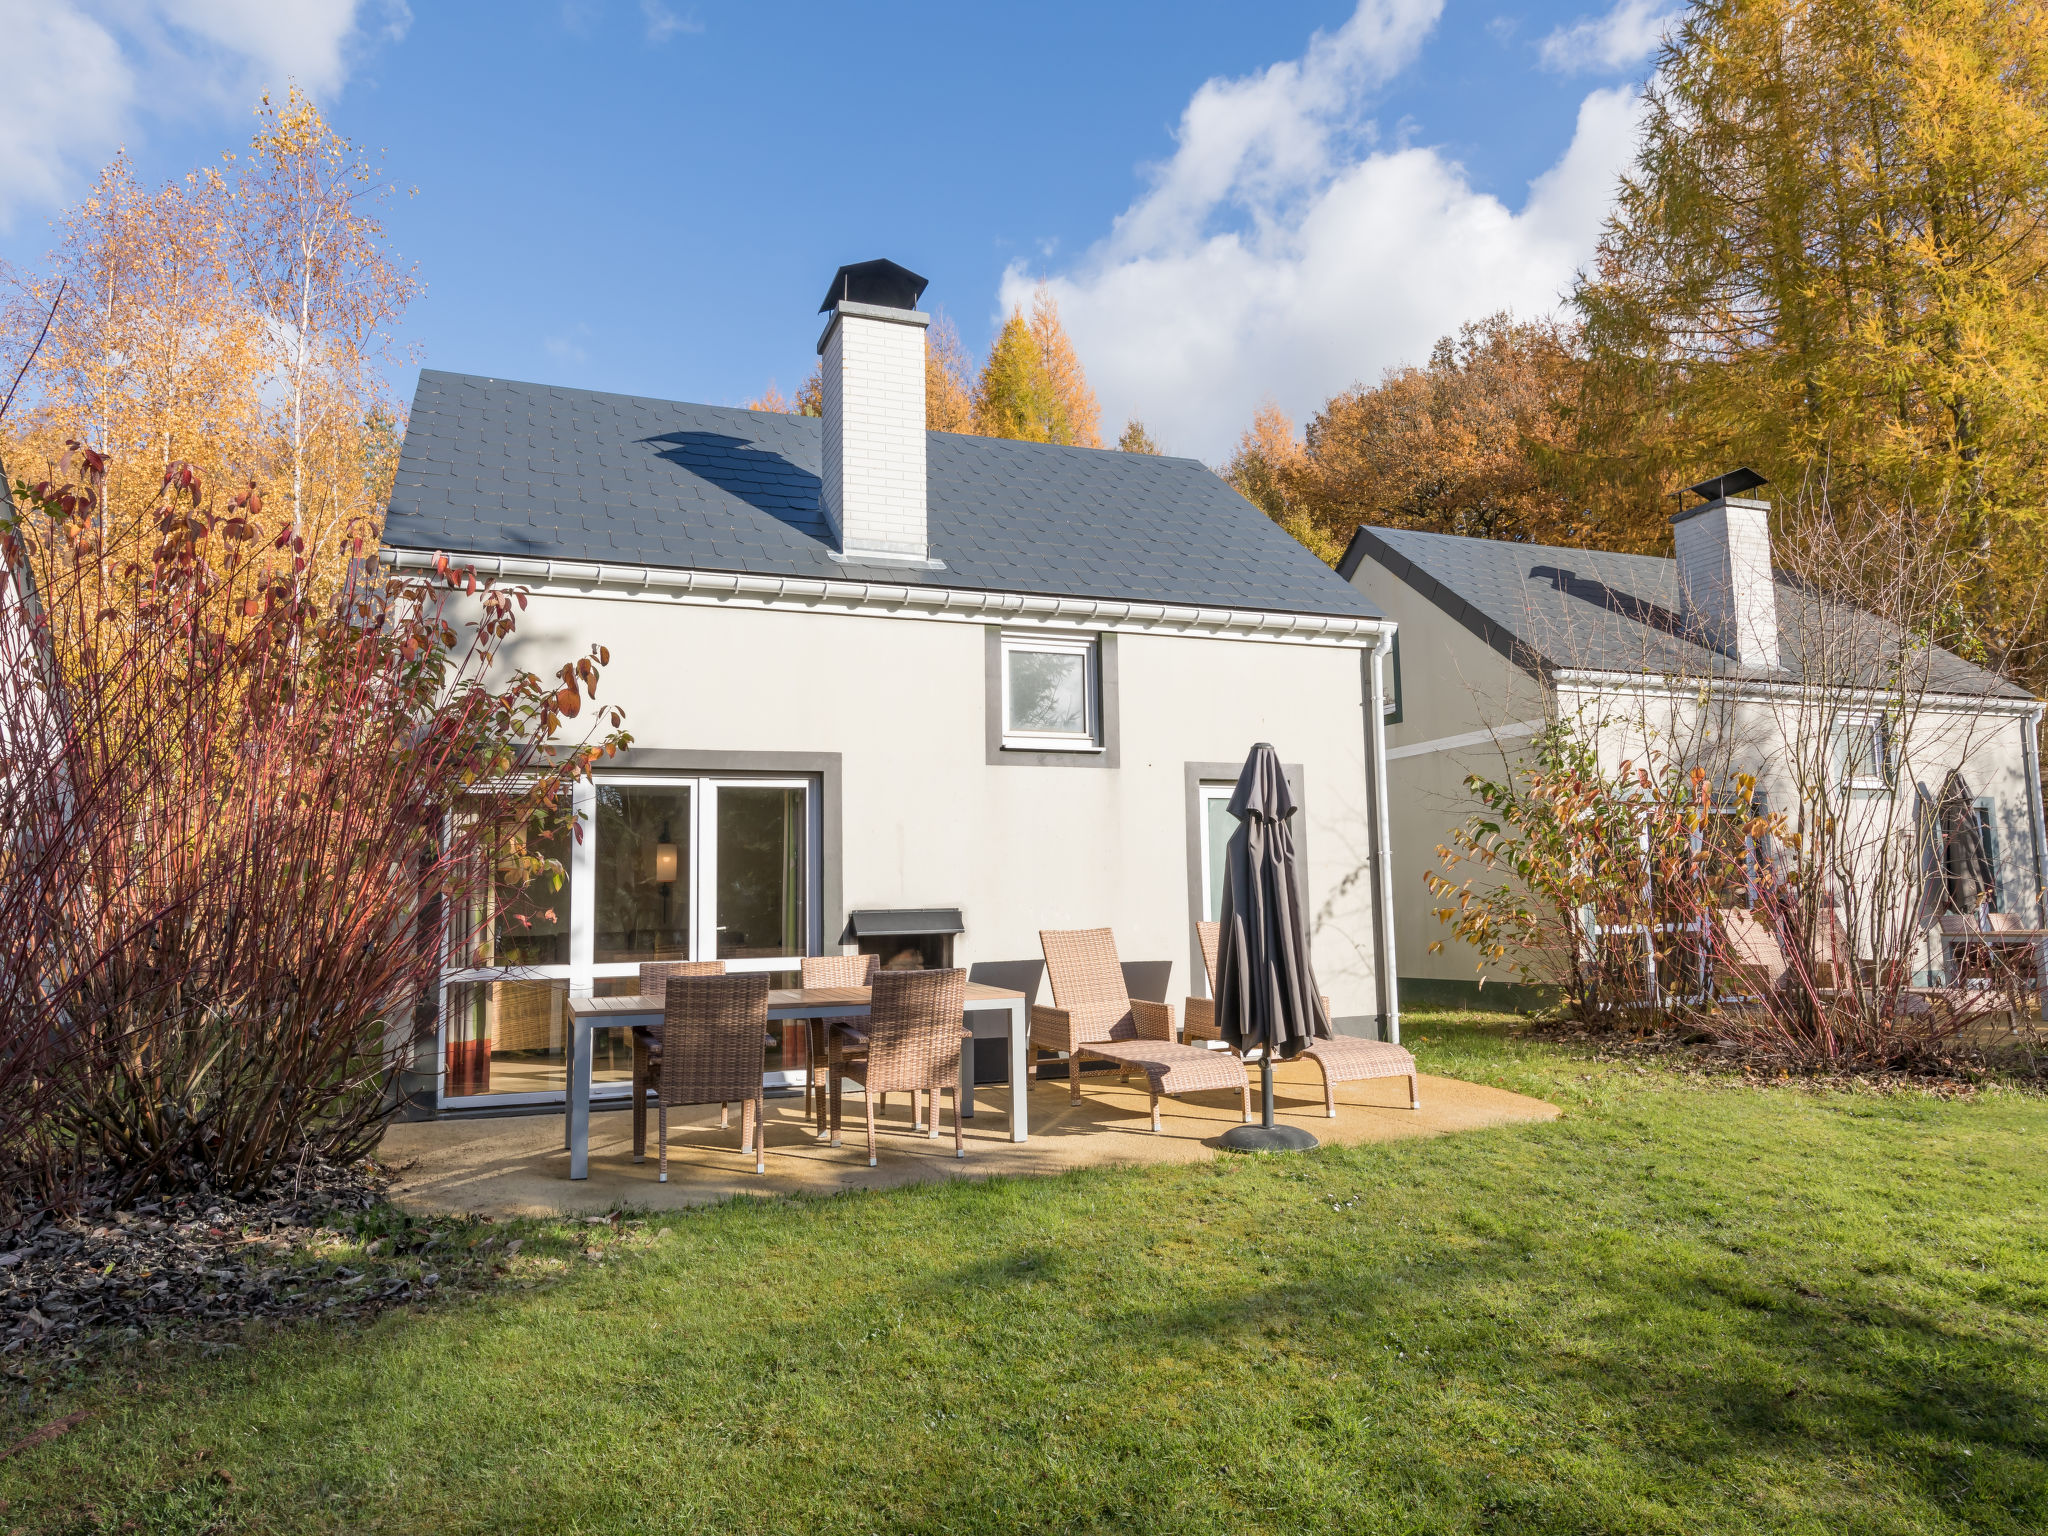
[(909, 938), (921, 939)]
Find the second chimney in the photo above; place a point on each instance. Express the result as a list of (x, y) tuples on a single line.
[(1725, 583), (872, 368)]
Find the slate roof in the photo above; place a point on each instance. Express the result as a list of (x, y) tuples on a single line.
[(1545, 607), (492, 467)]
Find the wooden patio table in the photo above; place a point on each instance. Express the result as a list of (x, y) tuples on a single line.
[(790, 1004)]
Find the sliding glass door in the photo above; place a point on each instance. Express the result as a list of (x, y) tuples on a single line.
[(697, 868)]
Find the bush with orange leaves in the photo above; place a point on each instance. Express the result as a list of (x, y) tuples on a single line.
[(243, 825)]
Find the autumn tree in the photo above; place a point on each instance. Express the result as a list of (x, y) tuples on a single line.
[(1830, 261), (948, 379), (1136, 439), (1262, 469), (1014, 397), (1078, 417), (316, 272), (1032, 386), (1470, 443), (150, 351)]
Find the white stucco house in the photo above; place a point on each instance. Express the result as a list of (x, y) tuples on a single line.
[(1713, 656), (893, 690)]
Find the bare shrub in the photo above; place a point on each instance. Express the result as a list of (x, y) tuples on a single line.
[(242, 828), (1758, 855)]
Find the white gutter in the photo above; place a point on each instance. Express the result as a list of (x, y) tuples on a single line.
[(1468, 739), (577, 578), (1753, 689), (2030, 763)]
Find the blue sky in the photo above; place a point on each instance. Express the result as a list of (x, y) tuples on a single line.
[(1233, 202)]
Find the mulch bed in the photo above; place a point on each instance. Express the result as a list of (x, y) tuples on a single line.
[(1957, 1072), (208, 1269)]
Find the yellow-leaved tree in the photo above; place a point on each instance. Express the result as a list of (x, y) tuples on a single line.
[(1264, 468), (1830, 261), (239, 321), (948, 379), (1032, 386), (150, 355), (1079, 417), (317, 274)]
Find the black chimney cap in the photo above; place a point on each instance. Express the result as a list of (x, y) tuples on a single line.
[(881, 283), (1733, 483)]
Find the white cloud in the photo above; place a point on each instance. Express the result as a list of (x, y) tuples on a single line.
[(663, 23), (1282, 253), (568, 347), (1621, 39), (85, 74)]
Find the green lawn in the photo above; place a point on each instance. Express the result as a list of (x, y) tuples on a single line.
[(1681, 1308)]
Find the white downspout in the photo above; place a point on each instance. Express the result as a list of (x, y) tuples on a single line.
[(2030, 759), (1384, 979)]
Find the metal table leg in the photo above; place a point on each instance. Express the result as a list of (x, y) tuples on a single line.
[(966, 1100), (1020, 1083), (579, 1099)]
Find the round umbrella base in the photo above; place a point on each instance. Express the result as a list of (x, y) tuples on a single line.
[(1267, 1138)]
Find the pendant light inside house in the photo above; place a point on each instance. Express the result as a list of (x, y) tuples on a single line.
[(664, 859)]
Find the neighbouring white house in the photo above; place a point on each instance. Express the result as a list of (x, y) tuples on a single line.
[(892, 690), (1711, 657)]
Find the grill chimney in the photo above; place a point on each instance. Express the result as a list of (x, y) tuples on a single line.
[(1725, 584), (872, 368)]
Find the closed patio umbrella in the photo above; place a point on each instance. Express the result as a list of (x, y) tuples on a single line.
[(1965, 865), (1266, 994)]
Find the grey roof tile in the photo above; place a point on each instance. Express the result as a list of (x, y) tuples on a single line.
[(491, 467), (1546, 607)]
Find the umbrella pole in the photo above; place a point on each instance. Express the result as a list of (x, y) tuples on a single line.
[(1266, 1136)]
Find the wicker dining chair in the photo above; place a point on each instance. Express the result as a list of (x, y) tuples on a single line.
[(913, 1040), (829, 1037), (1340, 1058), (1094, 1014), (654, 978), (712, 1028)]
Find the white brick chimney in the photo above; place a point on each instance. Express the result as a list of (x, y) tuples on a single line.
[(872, 352), (1725, 585)]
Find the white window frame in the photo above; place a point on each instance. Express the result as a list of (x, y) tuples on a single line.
[(1089, 649), (1207, 794), (583, 968), (1874, 731)]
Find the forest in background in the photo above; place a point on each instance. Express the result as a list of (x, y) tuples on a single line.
[(1829, 262)]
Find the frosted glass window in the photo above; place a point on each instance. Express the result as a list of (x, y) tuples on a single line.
[(1050, 693)]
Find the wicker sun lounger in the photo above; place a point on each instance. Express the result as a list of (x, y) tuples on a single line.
[(1750, 951), (1340, 1058), (1093, 1014)]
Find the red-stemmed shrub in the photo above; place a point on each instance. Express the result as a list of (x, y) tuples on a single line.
[(243, 816)]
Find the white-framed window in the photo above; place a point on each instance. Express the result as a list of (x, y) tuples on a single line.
[(1987, 839), (1214, 833), (1052, 693), (1862, 753), (698, 867)]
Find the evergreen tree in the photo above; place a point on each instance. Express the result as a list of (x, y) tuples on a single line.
[(1136, 439)]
